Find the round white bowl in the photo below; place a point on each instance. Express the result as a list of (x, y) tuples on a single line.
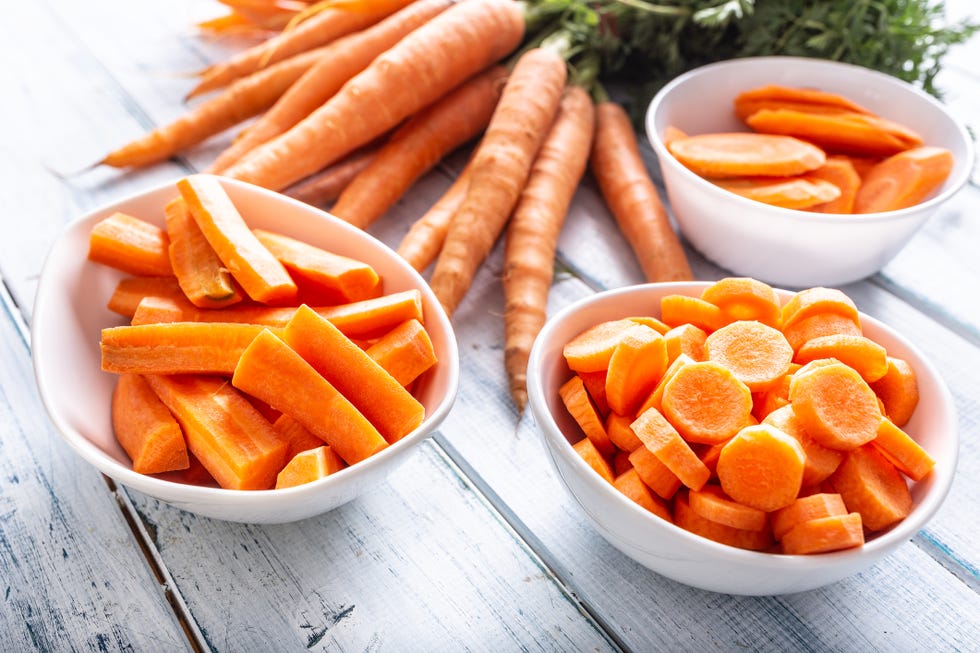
[(691, 559), (787, 247), (70, 312)]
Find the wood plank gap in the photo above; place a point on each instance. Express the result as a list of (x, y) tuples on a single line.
[(933, 311), (534, 547), (959, 568), (12, 309)]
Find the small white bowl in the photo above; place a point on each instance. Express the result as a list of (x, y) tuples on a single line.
[(70, 312), (783, 246), (678, 554)]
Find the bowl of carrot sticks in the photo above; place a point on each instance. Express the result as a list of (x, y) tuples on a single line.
[(237, 353), (803, 172), (739, 438)]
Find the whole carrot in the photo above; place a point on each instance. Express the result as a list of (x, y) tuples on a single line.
[(416, 71), (418, 145), (325, 186), (421, 245), (632, 197), (346, 57), (501, 165), (322, 28), (532, 235)]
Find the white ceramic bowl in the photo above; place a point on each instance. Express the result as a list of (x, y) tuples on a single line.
[(69, 313), (678, 554), (782, 246)]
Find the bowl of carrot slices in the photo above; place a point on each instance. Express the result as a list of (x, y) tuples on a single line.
[(803, 172), (237, 353), (740, 438)]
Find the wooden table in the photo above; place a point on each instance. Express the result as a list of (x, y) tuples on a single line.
[(472, 544)]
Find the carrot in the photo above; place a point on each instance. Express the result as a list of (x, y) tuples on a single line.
[(175, 348), (591, 350), (532, 235), (839, 171), (131, 245), (825, 534), (800, 192), (262, 277), (809, 99), (811, 301), (405, 352), (320, 274), (595, 385), (308, 466), (621, 463), (275, 373), (243, 99), (904, 179), (418, 145), (817, 325), (237, 446), (373, 391), (195, 474), (814, 506), (297, 437), (632, 198), (663, 440), (762, 467), (635, 367), (145, 428), (322, 28), (129, 291), (580, 407), (845, 132), (775, 396), (652, 322), (621, 433), (820, 461), (706, 402), (684, 309), (161, 310), (655, 399), (421, 244), (743, 298), (864, 355), (672, 133), (711, 503), (902, 451), (835, 406), (501, 167), (685, 339), (202, 276), (654, 473), (898, 390), (872, 486), (344, 58), (742, 154), (419, 69), (587, 450), (758, 355), (633, 487), (709, 456), (324, 187), (863, 164), (691, 521)]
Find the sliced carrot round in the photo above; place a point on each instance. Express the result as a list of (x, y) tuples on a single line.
[(819, 324), (742, 154), (898, 390), (631, 485), (581, 408), (706, 402), (676, 310), (864, 355), (800, 192), (872, 486), (711, 503), (635, 366), (821, 461), (825, 534), (815, 506), (685, 339), (757, 354), (762, 467), (835, 405), (691, 521), (590, 350), (818, 300), (744, 298), (903, 180)]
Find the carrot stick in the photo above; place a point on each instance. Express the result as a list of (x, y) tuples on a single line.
[(237, 446), (501, 166), (825, 534), (872, 486), (130, 290), (815, 300), (814, 506), (761, 467), (421, 244), (633, 199), (131, 245), (635, 367), (580, 407), (903, 180), (322, 28), (308, 466), (663, 440), (272, 371), (902, 451), (296, 436), (161, 310), (898, 390), (325, 186), (758, 355), (532, 235), (201, 274), (711, 503), (835, 406), (405, 352), (344, 58), (416, 71), (744, 154), (262, 277), (706, 402), (632, 486), (145, 428), (821, 461)]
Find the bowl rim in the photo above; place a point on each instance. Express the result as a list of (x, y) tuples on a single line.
[(558, 445), (953, 186), (176, 492)]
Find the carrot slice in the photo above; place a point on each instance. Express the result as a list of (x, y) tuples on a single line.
[(595, 460), (621, 462), (676, 310), (902, 451), (129, 244), (633, 487), (578, 404), (839, 171), (709, 456), (820, 461), (270, 370), (818, 300), (685, 339), (824, 534), (872, 486), (308, 466), (297, 437), (842, 132), (835, 406), (672, 133), (591, 350), (325, 276), (651, 322), (904, 179), (711, 503), (819, 324), (201, 274), (814, 506), (706, 402), (621, 434), (405, 352), (744, 298), (762, 467), (774, 397), (758, 355), (655, 400), (802, 192), (864, 355), (898, 390), (748, 102), (595, 385), (635, 366), (129, 291), (661, 438), (260, 274), (742, 154), (145, 428), (237, 446), (655, 475), (691, 521)]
